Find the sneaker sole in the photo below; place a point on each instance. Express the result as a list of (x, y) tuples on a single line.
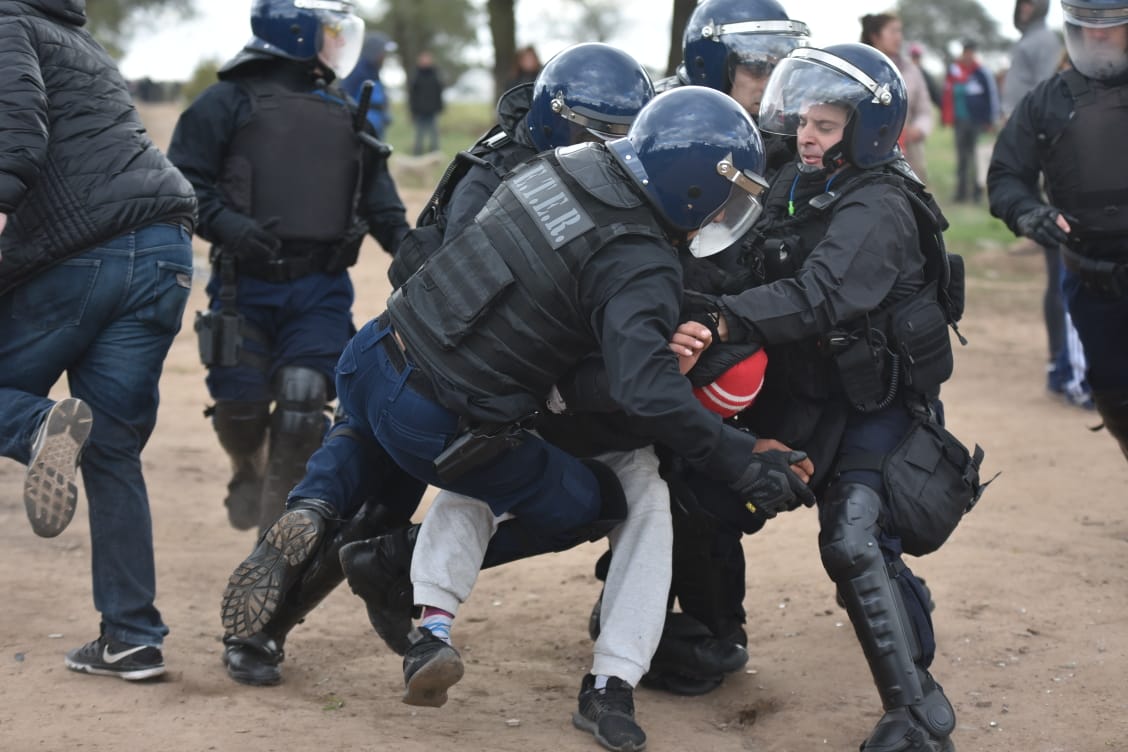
[(428, 686), (256, 587), (50, 493), (584, 724), (149, 672)]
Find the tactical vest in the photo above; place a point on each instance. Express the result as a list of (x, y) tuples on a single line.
[(296, 164), (1086, 164), (495, 151), (849, 360), (494, 316)]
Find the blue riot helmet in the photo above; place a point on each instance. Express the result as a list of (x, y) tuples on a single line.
[(588, 90), (722, 35), (699, 158), (854, 76), (1095, 37), (324, 30)]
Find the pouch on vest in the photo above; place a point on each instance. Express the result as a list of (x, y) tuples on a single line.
[(455, 294), (918, 328), (864, 369), (931, 480), (415, 248)]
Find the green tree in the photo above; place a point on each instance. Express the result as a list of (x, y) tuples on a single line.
[(937, 23), (113, 21), (447, 28)]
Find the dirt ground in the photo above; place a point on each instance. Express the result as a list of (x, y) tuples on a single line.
[(1031, 618)]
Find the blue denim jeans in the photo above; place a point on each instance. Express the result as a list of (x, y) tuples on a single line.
[(548, 489), (105, 318)]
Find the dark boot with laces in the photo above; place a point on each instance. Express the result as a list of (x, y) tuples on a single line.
[(608, 714)]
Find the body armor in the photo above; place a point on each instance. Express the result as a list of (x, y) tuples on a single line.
[(295, 165), (478, 315)]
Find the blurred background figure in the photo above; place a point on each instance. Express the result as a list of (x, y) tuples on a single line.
[(376, 47), (425, 100), (526, 66), (884, 32), (935, 91), (971, 106), (1036, 56)]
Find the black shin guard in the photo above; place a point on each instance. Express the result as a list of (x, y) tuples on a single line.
[(848, 542), (297, 427), (242, 430)]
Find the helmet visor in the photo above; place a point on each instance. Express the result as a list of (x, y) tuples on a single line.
[(758, 46), (800, 82), (1098, 51), (341, 40), (735, 216), (1094, 18), (585, 122)]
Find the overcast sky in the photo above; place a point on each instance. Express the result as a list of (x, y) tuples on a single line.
[(221, 27)]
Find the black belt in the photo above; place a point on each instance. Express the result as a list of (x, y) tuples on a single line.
[(1102, 276), (417, 380)]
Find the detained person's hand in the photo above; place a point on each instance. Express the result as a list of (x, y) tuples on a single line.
[(689, 341)]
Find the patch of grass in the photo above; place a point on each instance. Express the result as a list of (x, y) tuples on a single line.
[(460, 125)]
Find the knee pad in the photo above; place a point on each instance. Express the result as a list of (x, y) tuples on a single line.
[(241, 426), (613, 502), (300, 396), (848, 530), (1112, 404)]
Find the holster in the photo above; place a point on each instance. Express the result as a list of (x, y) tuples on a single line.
[(476, 447), (219, 336)]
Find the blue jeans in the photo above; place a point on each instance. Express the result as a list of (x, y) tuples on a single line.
[(426, 129), (106, 319), (548, 489), (308, 321), (1101, 323)]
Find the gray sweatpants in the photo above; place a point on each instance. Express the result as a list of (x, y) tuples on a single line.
[(456, 530)]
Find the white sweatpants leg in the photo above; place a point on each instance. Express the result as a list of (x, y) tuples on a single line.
[(456, 530), (638, 582), (450, 548)]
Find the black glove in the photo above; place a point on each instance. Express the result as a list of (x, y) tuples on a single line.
[(769, 487), (255, 242), (1040, 226)]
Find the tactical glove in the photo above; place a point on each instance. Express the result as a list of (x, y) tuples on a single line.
[(768, 486), (256, 242), (1040, 226)]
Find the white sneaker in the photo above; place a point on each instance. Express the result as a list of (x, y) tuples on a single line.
[(50, 493)]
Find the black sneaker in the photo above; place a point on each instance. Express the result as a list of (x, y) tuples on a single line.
[(108, 657), (253, 660), (50, 493), (379, 571), (257, 586), (430, 667), (608, 713)]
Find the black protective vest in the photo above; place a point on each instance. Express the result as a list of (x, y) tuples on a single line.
[(296, 164), (494, 316), (1086, 164)]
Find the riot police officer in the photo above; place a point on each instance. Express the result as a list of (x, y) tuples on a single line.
[(569, 255), (587, 91), (1069, 129), (852, 294), (288, 186)]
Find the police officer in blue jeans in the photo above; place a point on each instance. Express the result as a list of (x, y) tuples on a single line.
[(1068, 129), (95, 270), (288, 184)]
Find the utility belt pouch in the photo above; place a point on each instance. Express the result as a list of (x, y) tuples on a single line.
[(344, 255), (219, 336), (863, 368), (932, 481), (1105, 278), (918, 328), (474, 448)]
